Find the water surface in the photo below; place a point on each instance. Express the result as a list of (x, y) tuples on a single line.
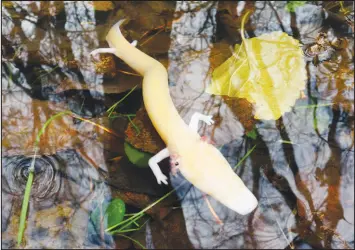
[(301, 169)]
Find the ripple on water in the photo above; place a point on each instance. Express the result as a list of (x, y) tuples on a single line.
[(64, 191), (46, 182)]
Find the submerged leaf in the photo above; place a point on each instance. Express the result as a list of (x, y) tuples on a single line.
[(136, 156), (292, 5), (115, 212), (252, 134), (269, 71), (108, 213)]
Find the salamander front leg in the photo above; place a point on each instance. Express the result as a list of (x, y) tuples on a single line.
[(196, 117), (108, 50), (153, 164)]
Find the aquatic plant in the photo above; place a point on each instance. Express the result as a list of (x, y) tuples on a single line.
[(112, 108), (126, 223), (245, 156), (108, 214), (28, 188), (114, 211), (292, 5), (25, 201), (252, 134), (269, 71), (137, 157)]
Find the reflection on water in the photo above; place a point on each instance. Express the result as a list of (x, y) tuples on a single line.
[(301, 170)]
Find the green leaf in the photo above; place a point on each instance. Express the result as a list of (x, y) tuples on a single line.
[(115, 212), (110, 213), (252, 134), (126, 223), (137, 157), (292, 5)]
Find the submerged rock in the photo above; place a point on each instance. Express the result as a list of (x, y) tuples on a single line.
[(141, 133)]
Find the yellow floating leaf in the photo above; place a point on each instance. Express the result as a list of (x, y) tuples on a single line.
[(269, 71)]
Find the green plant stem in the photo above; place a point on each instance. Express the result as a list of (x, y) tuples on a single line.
[(27, 194), (44, 74), (112, 108), (31, 172), (287, 142), (25, 202), (136, 224), (129, 230), (134, 125), (121, 115), (140, 214), (244, 157), (47, 123), (120, 230)]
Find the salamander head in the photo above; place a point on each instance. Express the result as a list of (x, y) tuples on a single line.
[(174, 163)]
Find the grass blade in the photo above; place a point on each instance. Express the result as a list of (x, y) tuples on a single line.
[(26, 197), (25, 202), (97, 125), (129, 230), (139, 214), (287, 142), (244, 157), (27, 194), (134, 125), (112, 108), (47, 123)]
